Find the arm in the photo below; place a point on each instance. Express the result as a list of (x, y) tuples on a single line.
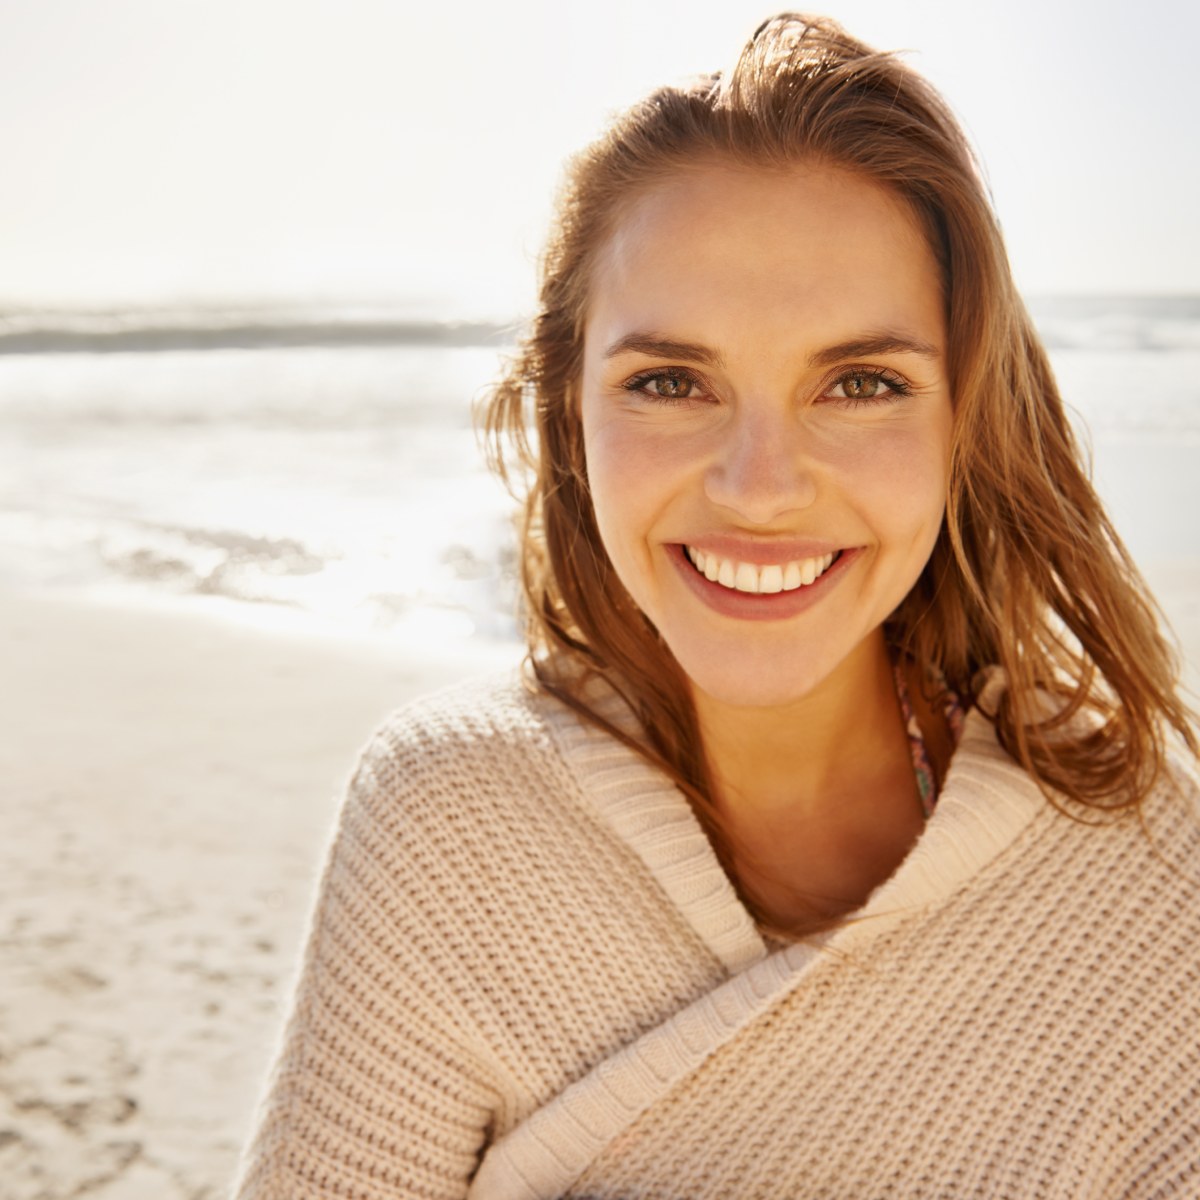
[(378, 1090)]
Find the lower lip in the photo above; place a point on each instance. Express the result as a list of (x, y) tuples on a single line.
[(757, 606)]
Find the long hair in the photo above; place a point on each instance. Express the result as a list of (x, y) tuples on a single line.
[(1027, 571)]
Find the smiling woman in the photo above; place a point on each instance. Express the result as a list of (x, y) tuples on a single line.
[(807, 416), (767, 453), (803, 861)]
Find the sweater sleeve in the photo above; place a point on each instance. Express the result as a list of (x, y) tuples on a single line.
[(379, 1089)]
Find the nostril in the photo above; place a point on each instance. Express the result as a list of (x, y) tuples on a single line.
[(762, 486)]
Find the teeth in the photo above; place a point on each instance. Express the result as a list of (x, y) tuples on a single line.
[(746, 577), (770, 579)]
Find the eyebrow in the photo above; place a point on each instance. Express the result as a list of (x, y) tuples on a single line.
[(868, 347), (657, 346)]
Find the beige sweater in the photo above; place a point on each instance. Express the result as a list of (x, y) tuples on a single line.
[(529, 977)]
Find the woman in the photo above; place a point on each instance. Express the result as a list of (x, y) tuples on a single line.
[(833, 846)]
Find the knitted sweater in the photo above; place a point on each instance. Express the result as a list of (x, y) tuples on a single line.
[(528, 977)]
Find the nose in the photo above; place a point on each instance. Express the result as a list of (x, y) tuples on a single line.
[(762, 469)]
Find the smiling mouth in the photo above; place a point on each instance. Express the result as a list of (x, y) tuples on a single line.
[(760, 580)]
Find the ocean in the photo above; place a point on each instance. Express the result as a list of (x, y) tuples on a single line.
[(323, 473)]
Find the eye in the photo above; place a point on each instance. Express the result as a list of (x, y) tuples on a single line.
[(671, 385), (867, 385)]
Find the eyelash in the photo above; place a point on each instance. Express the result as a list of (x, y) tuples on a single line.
[(676, 374), (896, 385)]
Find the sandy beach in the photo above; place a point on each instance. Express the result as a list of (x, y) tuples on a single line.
[(169, 785)]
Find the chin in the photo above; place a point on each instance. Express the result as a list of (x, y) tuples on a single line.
[(776, 687)]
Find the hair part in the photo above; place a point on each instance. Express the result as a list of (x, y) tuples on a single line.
[(1027, 571)]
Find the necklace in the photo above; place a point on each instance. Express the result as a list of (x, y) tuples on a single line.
[(952, 709)]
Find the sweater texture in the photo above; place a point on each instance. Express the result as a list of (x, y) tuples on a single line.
[(528, 978)]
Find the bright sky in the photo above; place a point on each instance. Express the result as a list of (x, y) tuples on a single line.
[(375, 150)]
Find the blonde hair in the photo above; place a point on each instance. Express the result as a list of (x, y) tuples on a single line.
[(1027, 571)]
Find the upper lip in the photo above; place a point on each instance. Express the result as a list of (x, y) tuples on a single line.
[(760, 552)]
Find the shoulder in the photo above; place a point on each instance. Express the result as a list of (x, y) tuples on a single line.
[(479, 762), (1169, 812), (1171, 818), (1182, 778), (1094, 870), (1095, 912), (472, 726), (1129, 884), (1155, 843)]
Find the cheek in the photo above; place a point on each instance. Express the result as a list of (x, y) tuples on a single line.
[(622, 486), (898, 481), (641, 480), (630, 463), (608, 452)]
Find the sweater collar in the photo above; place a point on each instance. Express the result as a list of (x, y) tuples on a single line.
[(653, 817), (986, 802)]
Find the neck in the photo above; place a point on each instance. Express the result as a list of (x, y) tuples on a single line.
[(816, 800), (795, 755)]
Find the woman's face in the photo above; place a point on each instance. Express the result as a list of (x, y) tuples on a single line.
[(766, 419)]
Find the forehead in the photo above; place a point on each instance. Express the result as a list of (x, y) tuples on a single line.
[(729, 251)]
